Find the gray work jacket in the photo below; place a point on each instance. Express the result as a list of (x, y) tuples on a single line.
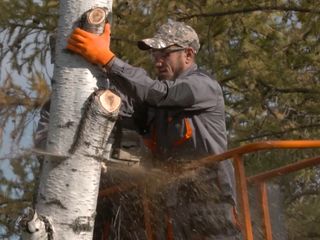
[(185, 119)]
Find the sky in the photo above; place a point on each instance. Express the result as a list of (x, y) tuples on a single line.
[(8, 147)]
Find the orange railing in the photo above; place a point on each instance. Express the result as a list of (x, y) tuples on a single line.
[(242, 180)]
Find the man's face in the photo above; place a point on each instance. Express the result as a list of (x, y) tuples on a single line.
[(169, 63)]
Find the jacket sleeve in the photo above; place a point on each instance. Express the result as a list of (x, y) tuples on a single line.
[(194, 90)]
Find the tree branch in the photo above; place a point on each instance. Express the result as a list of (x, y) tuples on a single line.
[(289, 90), (24, 153), (307, 192), (13, 202), (277, 133), (281, 8)]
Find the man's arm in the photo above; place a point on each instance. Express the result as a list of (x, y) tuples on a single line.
[(194, 90), (184, 93)]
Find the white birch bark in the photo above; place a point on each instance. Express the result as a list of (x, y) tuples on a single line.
[(69, 187)]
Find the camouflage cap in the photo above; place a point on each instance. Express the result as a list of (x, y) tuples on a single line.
[(172, 33)]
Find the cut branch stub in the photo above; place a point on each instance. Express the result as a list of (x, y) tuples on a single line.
[(109, 101), (96, 16), (33, 226), (94, 20), (98, 118)]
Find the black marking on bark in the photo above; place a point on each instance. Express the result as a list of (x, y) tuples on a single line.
[(43, 197), (74, 170), (56, 202), (82, 224), (48, 227), (66, 125), (106, 133)]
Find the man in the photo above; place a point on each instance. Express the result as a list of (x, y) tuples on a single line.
[(185, 121)]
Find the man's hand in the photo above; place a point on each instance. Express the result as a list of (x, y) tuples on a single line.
[(94, 48)]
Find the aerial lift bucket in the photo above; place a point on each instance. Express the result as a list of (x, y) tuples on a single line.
[(242, 180)]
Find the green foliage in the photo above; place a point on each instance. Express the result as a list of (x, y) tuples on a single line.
[(267, 61), (24, 27), (16, 193), (302, 204), (265, 54)]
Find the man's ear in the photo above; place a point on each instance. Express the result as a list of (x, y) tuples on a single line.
[(189, 55)]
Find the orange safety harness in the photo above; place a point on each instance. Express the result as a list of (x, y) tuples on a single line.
[(151, 141)]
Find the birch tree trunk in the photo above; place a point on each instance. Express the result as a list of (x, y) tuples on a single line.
[(80, 122)]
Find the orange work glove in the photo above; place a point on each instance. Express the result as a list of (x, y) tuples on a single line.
[(95, 48)]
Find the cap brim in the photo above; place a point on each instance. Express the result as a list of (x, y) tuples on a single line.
[(143, 46), (152, 43)]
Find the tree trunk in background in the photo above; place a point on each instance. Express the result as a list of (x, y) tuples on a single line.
[(79, 127)]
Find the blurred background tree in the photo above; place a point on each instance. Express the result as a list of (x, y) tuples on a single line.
[(264, 53)]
